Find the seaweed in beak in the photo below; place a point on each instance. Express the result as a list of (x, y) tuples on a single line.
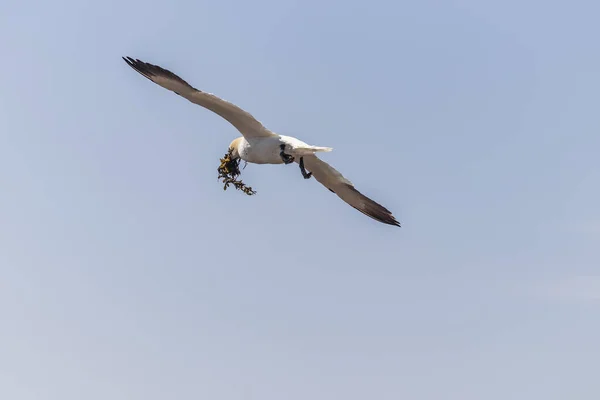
[(229, 171)]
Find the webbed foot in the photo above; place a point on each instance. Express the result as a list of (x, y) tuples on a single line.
[(287, 159), (305, 174)]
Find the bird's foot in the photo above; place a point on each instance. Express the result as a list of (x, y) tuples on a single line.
[(287, 159), (305, 174)]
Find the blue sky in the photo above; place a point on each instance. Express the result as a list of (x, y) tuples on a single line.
[(128, 273)]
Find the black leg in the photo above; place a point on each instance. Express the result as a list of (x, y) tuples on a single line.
[(305, 174), (287, 159)]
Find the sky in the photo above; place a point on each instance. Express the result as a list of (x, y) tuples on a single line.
[(126, 272)]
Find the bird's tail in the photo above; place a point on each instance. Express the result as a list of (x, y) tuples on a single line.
[(318, 148), (307, 150)]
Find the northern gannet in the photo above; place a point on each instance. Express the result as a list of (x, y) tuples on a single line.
[(259, 145)]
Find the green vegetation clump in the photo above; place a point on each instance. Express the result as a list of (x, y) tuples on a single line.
[(229, 171)]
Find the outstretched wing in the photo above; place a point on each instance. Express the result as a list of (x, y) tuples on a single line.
[(335, 181), (242, 120)]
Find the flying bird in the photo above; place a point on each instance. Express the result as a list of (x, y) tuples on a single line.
[(259, 145)]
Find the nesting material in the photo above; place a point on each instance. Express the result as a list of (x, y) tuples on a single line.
[(229, 171)]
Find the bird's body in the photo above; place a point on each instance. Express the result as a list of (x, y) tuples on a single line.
[(259, 145), (266, 150)]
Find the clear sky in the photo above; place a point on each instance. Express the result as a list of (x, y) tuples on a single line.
[(126, 272)]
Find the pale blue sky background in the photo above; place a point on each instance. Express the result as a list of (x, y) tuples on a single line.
[(116, 277)]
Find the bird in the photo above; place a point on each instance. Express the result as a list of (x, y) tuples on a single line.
[(259, 145)]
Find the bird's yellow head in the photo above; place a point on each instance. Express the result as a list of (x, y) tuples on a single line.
[(233, 146), (229, 170)]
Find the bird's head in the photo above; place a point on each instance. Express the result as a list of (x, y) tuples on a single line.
[(233, 146), (229, 170)]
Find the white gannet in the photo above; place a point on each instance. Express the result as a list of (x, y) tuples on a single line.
[(259, 145)]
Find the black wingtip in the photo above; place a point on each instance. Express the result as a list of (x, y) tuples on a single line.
[(152, 71), (373, 209), (391, 221), (139, 66), (130, 61)]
